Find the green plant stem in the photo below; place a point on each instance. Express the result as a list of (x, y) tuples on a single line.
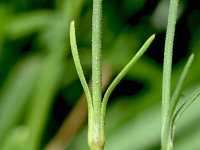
[(97, 108), (165, 141), (96, 133), (96, 55)]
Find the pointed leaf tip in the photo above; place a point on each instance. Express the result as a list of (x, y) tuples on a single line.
[(72, 24), (153, 36), (192, 56)]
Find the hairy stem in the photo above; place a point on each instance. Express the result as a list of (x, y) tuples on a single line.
[(96, 133), (96, 55)]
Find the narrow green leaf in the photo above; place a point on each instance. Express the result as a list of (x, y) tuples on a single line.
[(124, 72), (176, 95), (179, 87), (78, 64), (184, 107)]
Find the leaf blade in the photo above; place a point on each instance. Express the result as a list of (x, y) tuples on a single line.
[(78, 64), (124, 71), (179, 87), (184, 107)]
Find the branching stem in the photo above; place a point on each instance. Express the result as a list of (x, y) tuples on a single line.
[(97, 108)]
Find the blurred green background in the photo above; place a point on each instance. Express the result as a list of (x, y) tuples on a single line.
[(40, 89)]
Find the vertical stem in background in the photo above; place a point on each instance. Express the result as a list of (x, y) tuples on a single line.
[(166, 87)]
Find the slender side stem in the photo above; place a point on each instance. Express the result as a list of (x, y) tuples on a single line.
[(96, 133), (166, 87), (78, 65), (121, 75)]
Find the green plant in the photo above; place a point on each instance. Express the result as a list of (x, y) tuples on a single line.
[(35, 74), (170, 110), (97, 106)]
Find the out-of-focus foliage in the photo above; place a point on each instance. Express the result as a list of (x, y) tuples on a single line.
[(39, 85)]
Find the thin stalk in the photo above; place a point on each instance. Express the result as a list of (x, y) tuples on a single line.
[(96, 55), (78, 65), (95, 132), (166, 87)]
